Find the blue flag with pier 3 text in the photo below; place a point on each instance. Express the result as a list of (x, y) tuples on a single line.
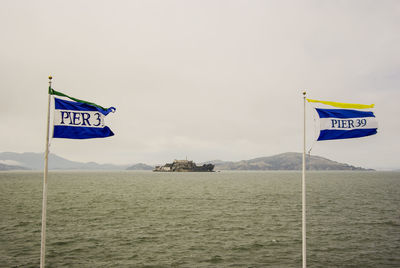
[(80, 120)]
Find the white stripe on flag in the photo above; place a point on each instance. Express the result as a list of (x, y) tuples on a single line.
[(348, 123), (70, 118)]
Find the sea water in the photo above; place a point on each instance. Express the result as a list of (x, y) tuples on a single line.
[(220, 219)]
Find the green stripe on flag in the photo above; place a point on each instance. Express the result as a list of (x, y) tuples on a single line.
[(57, 93)]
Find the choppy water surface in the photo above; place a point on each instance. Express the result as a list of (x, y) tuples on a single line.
[(226, 219)]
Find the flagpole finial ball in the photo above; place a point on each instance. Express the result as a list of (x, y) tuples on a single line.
[(304, 93), (50, 77)]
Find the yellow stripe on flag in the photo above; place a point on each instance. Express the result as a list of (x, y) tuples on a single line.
[(344, 105)]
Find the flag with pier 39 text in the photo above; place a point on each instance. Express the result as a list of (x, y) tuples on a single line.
[(80, 120), (344, 120)]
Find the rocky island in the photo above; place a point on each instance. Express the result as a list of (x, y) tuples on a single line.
[(184, 166)]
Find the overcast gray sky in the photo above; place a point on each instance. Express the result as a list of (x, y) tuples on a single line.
[(201, 79)]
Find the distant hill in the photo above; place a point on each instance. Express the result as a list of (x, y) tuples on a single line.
[(12, 167), (285, 161), (140, 166), (35, 161)]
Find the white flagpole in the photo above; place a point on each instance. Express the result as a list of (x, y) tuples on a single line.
[(304, 187), (44, 204)]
